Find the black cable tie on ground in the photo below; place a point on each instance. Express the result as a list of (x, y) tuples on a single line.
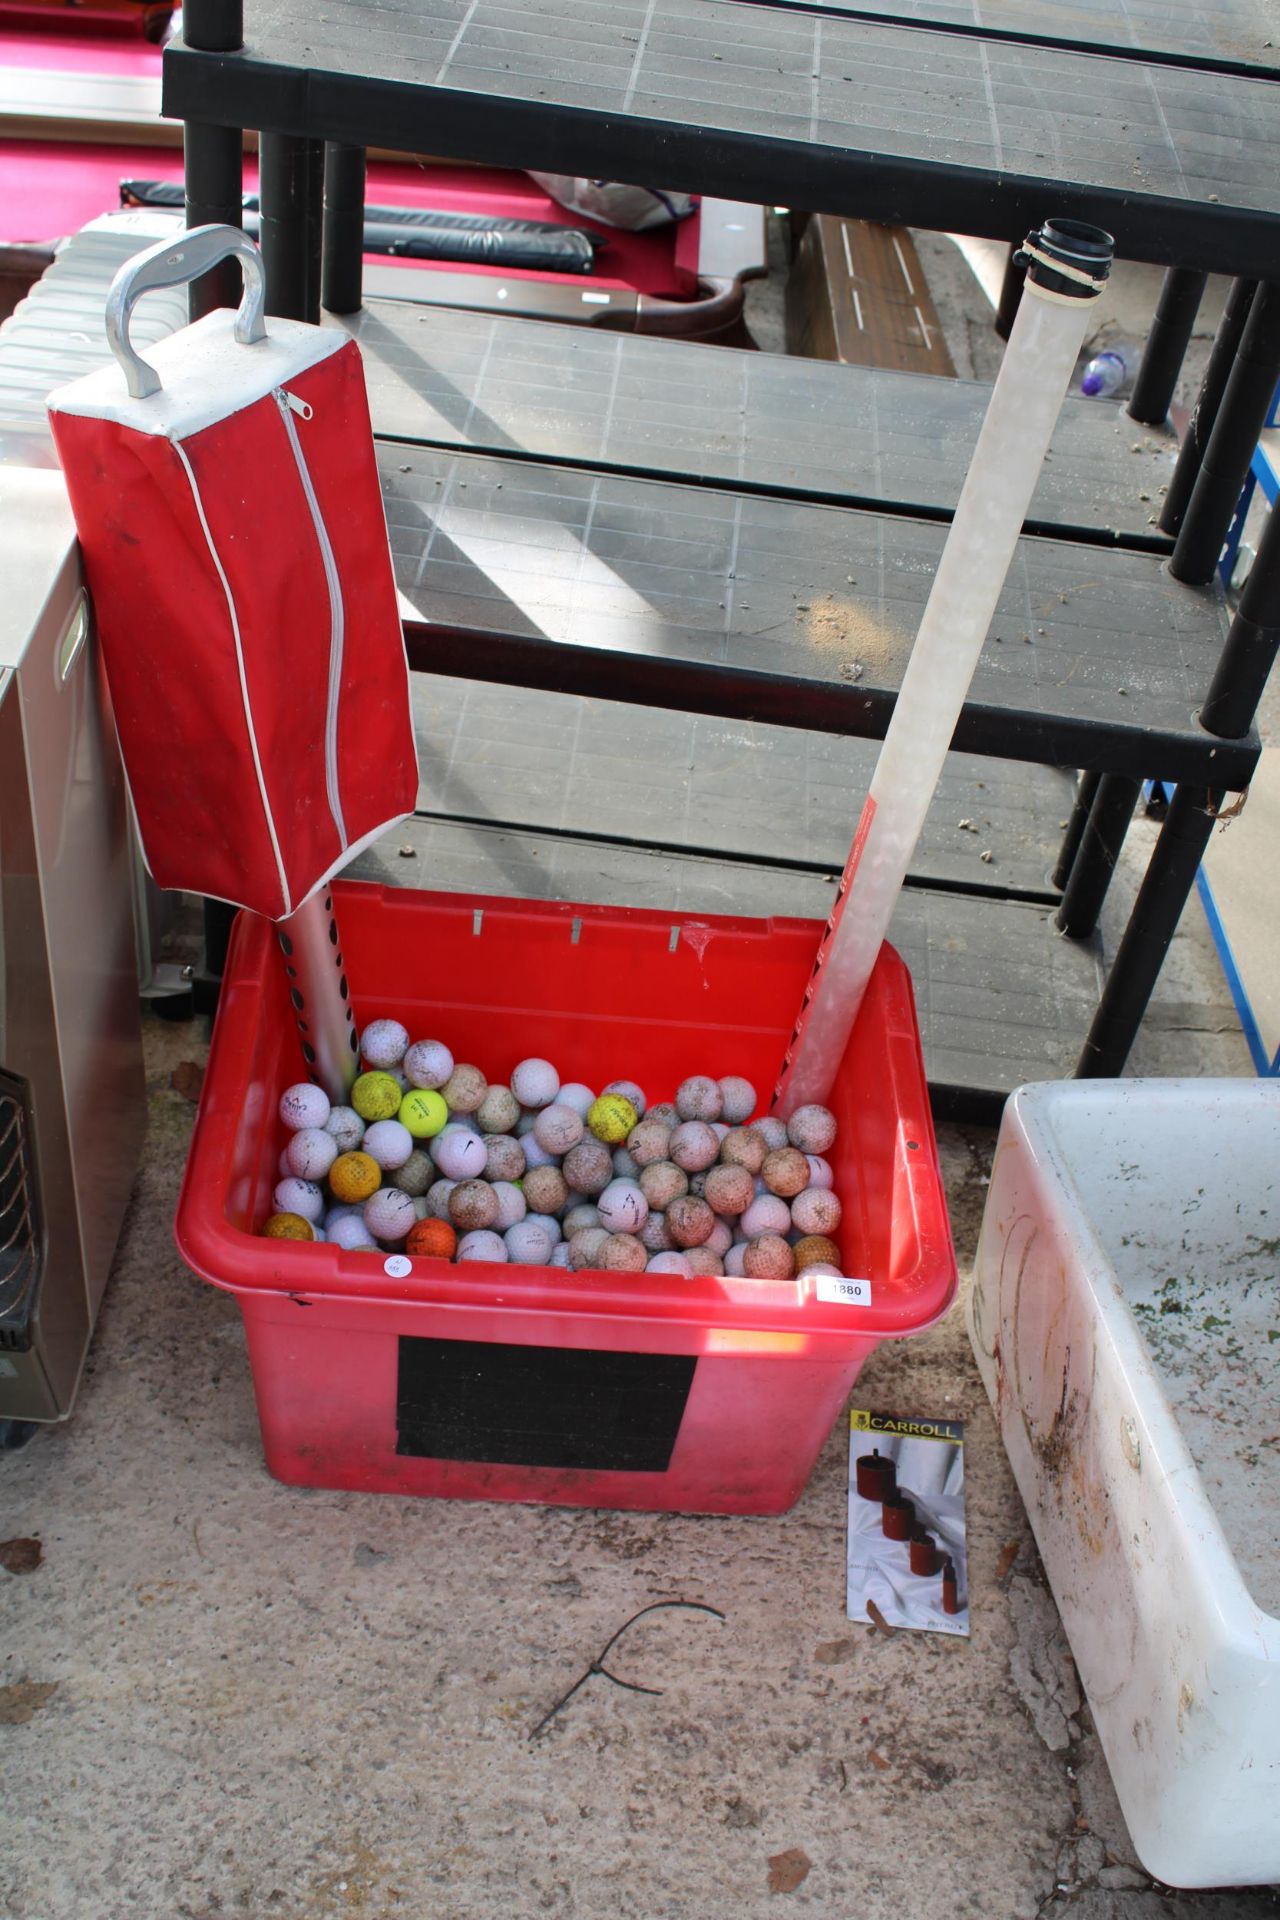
[(598, 1666)]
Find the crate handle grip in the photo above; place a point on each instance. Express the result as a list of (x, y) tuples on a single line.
[(172, 263)]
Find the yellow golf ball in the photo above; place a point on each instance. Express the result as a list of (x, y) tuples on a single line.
[(611, 1118), (353, 1177), (288, 1226), (376, 1096), (423, 1112)]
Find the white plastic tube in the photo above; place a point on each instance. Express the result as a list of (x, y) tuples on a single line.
[(1041, 355)]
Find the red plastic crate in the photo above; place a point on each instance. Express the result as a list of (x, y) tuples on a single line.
[(524, 1383)]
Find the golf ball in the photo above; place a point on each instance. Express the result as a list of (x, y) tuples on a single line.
[(498, 1112), (820, 1173), (465, 1089), (560, 1255), (583, 1215), (766, 1214), (354, 1176), (549, 1223), (389, 1143), (662, 1183), (460, 1154), (417, 1173), (611, 1118), (376, 1096), (424, 1112), (289, 1226), (535, 1154), (744, 1147), (383, 1043), (816, 1210), (768, 1258), (304, 1106), (535, 1083), (785, 1171), (737, 1099), (557, 1128), (311, 1153), (665, 1111), (505, 1157), (350, 1232), (303, 1197), (812, 1129), (699, 1098), (623, 1207), (729, 1189), (689, 1221), (545, 1190), (584, 1248), (481, 1246), (512, 1205), (649, 1142), (623, 1253), (588, 1168), (775, 1133), (529, 1243), (631, 1092), (347, 1128), (815, 1250), (473, 1204), (693, 1146), (437, 1198), (734, 1258), (674, 1263), (654, 1236), (389, 1214), (704, 1260), (720, 1238), (428, 1063), (432, 1240), (575, 1095)]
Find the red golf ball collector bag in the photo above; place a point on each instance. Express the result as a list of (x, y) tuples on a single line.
[(227, 500)]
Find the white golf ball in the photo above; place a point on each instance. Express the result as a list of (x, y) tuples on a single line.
[(299, 1196), (560, 1255), (481, 1245), (459, 1153), (437, 1199), (528, 1243), (347, 1128), (511, 1204), (389, 1143), (304, 1105), (820, 1172), (342, 1212), (311, 1153), (383, 1044), (773, 1129), (623, 1208), (549, 1224), (428, 1063), (575, 1095), (389, 1214), (766, 1214), (535, 1083), (583, 1215), (673, 1262), (350, 1232), (734, 1258), (557, 1128), (822, 1270)]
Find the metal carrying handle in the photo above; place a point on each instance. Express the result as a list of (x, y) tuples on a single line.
[(172, 263)]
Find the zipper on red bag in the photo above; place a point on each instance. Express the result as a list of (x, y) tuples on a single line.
[(290, 405)]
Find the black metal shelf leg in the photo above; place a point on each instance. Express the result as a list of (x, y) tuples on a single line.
[(212, 156), (1010, 295), (1166, 347), (1161, 898), (1240, 420), (1076, 825), (1205, 412), (286, 180), (344, 187), (1095, 863)]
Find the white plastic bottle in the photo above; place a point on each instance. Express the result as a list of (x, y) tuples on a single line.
[(1108, 371)]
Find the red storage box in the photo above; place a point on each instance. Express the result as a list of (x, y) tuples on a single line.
[(485, 1382)]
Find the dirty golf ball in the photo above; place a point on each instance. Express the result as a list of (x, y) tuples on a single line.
[(812, 1129), (288, 1226), (773, 1129), (662, 1183), (744, 1147), (311, 1153), (623, 1165), (689, 1221), (649, 1142), (768, 1258), (423, 1112), (473, 1204), (498, 1112), (720, 1238), (583, 1215), (815, 1250), (785, 1172), (729, 1189), (481, 1245), (704, 1260), (557, 1128), (737, 1099), (653, 1234), (437, 1199), (460, 1154), (299, 1196), (611, 1118), (588, 1168), (584, 1248), (416, 1175), (465, 1089), (623, 1253), (347, 1128), (545, 1189), (694, 1146), (623, 1207), (629, 1091), (428, 1063), (674, 1263), (505, 1158), (354, 1177), (535, 1083), (816, 1210), (389, 1214), (304, 1106), (699, 1098), (376, 1096), (383, 1043)]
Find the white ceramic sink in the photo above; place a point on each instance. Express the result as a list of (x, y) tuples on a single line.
[(1126, 1319)]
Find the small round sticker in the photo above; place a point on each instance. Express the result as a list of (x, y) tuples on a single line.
[(398, 1267)]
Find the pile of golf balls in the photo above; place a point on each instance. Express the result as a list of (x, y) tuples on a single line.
[(431, 1158)]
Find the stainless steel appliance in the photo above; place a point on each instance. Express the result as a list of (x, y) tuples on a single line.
[(72, 1088)]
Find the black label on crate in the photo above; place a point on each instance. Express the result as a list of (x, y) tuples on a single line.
[(566, 1407)]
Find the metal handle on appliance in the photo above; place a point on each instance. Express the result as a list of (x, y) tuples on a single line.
[(172, 263), (74, 639)]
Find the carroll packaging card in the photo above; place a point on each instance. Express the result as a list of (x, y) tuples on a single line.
[(907, 1556)]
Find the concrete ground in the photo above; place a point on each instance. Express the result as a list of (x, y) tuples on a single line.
[(224, 1697)]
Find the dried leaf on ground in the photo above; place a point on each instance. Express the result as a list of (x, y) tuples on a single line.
[(20, 1555), (787, 1870), (878, 1620), (877, 1760), (187, 1079), (22, 1700), (834, 1653)]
